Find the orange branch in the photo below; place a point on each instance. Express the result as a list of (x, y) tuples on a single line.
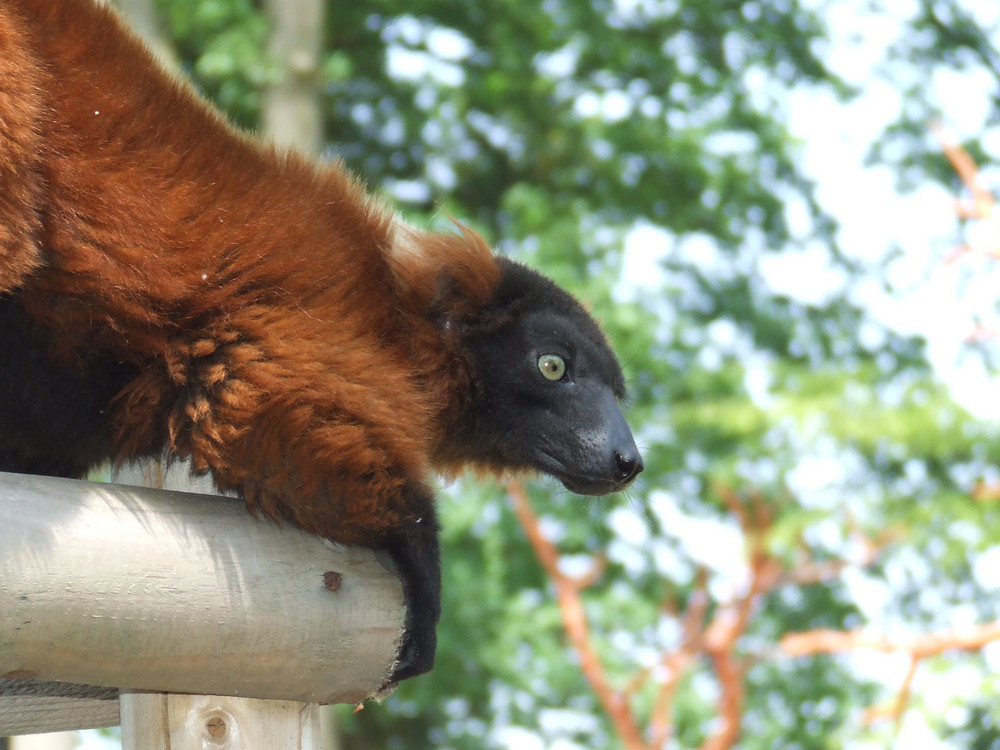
[(893, 710), (981, 332), (730, 676), (729, 623), (920, 646), (986, 491), (680, 660), (968, 172), (819, 571), (714, 637), (677, 663), (575, 621), (903, 699)]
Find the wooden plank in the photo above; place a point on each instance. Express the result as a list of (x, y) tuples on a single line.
[(177, 592), (30, 706)]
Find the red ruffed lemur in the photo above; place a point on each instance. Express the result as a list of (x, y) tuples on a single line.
[(168, 284)]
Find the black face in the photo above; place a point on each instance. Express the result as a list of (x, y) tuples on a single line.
[(548, 388)]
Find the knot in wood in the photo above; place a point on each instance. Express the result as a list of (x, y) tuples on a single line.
[(216, 726)]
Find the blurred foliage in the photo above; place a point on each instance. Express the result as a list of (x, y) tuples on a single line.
[(941, 34), (557, 128)]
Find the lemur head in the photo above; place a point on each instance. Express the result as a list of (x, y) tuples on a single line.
[(546, 388)]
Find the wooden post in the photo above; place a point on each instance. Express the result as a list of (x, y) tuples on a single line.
[(162, 721)]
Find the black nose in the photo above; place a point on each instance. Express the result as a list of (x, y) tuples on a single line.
[(628, 466)]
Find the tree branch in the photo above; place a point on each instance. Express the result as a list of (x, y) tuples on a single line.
[(575, 621), (715, 637), (920, 647)]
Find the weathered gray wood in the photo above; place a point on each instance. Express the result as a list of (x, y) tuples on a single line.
[(30, 706), (47, 741), (171, 721), (177, 592)]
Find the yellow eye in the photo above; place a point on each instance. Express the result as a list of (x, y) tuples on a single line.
[(552, 366)]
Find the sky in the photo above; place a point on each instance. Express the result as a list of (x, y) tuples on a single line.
[(929, 296)]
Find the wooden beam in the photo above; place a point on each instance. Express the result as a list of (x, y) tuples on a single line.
[(183, 593), (31, 706)]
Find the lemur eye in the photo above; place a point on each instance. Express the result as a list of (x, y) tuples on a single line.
[(552, 366)]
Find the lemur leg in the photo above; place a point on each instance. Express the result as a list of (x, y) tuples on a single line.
[(416, 553), (302, 445)]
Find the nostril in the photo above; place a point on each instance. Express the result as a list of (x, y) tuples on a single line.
[(628, 467)]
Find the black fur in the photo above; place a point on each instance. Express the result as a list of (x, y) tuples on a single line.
[(417, 557), (54, 417)]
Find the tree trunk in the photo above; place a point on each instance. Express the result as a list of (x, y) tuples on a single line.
[(142, 18), (292, 113)]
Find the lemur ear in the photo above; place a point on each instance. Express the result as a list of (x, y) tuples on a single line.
[(438, 271), (449, 308)]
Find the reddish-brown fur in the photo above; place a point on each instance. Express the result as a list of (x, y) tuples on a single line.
[(168, 284), (283, 339)]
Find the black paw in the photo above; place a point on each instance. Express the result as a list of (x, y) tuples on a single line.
[(416, 654), (416, 554)]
